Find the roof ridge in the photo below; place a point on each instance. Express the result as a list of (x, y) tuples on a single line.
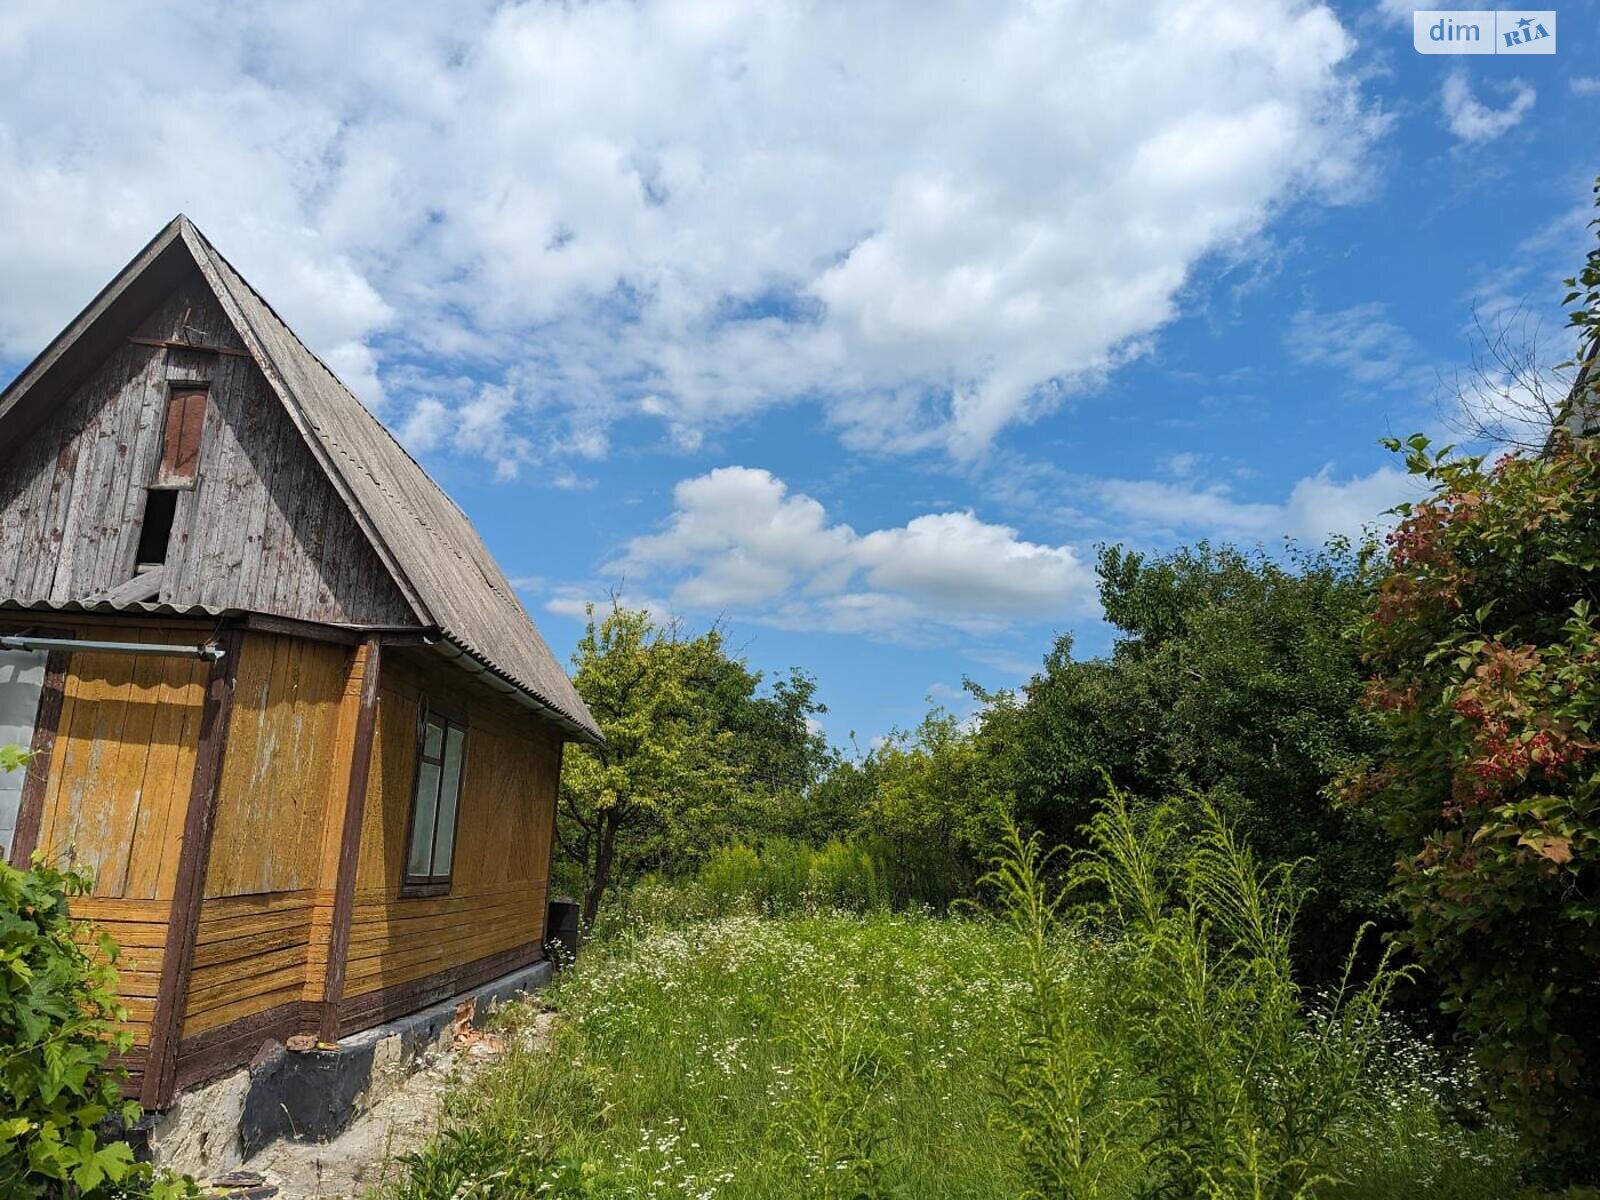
[(315, 357), (401, 508), (421, 519)]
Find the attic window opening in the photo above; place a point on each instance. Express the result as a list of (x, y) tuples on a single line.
[(181, 433), (160, 507)]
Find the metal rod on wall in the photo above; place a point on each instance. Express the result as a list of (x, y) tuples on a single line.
[(211, 652)]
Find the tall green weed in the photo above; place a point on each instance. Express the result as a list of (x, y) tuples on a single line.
[(1239, 1084)]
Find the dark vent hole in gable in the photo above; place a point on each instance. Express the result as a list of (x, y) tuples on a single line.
[(160, 506)]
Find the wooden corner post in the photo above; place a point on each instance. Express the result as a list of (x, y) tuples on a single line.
[(342, 841), (166, 1026)]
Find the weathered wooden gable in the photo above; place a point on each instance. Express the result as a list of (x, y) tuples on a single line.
[(262, 529)]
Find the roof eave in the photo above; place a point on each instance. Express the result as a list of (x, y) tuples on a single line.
[(449, 646)]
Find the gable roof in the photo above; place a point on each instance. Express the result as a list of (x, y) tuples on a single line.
[(424, 540)]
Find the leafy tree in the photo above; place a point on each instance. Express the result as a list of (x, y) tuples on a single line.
[(932, 812), (693, 757), (776, 741), (930, 786), (1234, 679), (1484, 647), (1071, 721), (832, 806)]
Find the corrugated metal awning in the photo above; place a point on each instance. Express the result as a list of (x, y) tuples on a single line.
[(142, 607)]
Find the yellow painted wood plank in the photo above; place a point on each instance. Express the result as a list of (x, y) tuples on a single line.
[(123, 790), (166, 785)]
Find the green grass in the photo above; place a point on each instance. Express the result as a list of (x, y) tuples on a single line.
[(855, 1056)]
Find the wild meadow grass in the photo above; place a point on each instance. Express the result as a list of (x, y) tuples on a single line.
[(1050, 1054)]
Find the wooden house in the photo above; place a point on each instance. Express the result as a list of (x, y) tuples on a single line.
[(284, 704)]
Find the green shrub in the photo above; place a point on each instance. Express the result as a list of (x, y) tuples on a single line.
[(780, 878), (729, 879), (845, 877), (1253, 1084), (784, 877), (1485, 651), (918, 873), (1198, 1042), (1061, 1102), (57, 1009)]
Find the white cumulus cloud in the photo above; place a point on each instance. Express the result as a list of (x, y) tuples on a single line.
[(739, 539), (935, 221), (1318, 507), (740, 542)]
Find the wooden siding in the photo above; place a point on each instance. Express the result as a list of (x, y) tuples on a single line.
[(122, 763), (249, 957), (281, 764), (497, 898), (263, 530), (139, 928), (115, 793)]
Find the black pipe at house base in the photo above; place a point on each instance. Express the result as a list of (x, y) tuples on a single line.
[(561, 934)]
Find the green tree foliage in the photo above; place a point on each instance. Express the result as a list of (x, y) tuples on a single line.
[(930, 811), (924, 805), (1485, 651), (1234, 679), (693, 756), (932, 788)]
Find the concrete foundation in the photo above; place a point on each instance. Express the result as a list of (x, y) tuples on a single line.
[(312, 1095)]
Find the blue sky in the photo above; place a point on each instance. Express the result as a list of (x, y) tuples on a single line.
[(855, 327)]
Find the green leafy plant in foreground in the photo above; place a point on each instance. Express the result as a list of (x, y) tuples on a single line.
[(1061, 1104), (834, 1118), (58, 1007)]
